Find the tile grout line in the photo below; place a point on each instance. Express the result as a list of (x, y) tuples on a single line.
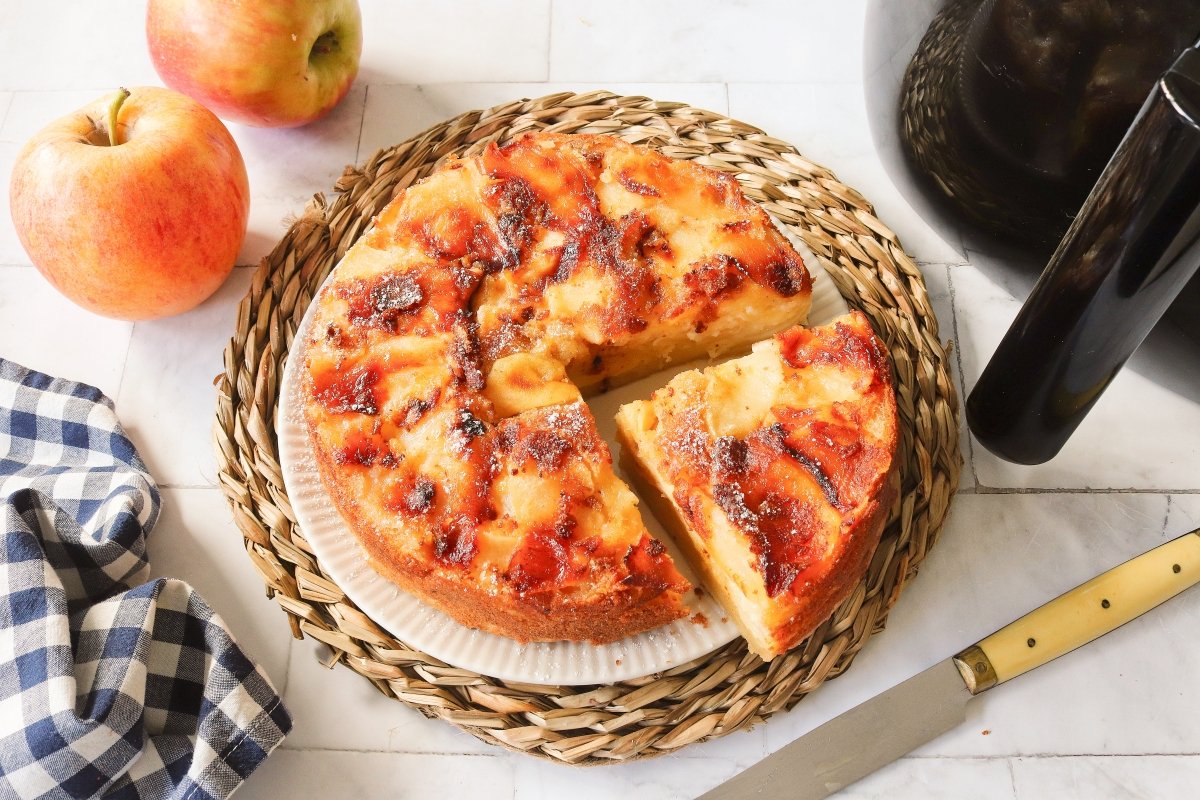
[(962, 378), (834, 84), (1046, 756), (728, 102), (453, 753), (189, 486), (1012, 776), (362, 123), (125, 368), (293, 643), (7, 108), (962, 241), (936, 263), (287, 674)]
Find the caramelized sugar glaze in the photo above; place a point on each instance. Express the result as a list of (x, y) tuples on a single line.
[(449, 350), (779, 469)]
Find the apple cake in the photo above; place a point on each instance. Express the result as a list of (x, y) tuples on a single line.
[(450, 350), (776, 473)]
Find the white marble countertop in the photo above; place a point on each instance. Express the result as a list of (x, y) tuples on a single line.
[(1120, 718)]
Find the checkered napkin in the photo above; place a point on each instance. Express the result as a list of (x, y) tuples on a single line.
[(110, 686)]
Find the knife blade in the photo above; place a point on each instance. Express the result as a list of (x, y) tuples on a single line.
[(849, 747)]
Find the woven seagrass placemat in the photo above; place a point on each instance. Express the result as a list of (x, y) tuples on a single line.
[(725, 691)]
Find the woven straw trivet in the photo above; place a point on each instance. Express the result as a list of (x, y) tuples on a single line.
[(725, 691)]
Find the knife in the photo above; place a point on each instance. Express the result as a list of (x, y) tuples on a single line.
[(849, 746)]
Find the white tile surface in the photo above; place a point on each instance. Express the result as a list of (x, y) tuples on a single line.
[(57, 44), (1135, 436), (42, 330), (30, 111), (395, 112), (195, 539), (828, 124), (378, 776), (1107, 778), (472, 40), (677, 40), (936, 779), (167, 398), (287, 166), (1184, 514)]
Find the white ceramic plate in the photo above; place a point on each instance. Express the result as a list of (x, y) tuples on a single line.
[(429, 630)]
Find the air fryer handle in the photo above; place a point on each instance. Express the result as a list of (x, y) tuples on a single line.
[(1131, 249)]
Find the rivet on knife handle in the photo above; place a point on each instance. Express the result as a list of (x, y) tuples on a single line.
[(976, 670), (1083, 614)]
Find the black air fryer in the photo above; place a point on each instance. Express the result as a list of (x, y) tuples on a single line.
[(1070, 132)]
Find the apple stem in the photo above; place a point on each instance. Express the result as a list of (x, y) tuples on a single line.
[(113, 108)]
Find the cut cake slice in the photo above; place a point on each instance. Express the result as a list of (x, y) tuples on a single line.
[(775, 472)]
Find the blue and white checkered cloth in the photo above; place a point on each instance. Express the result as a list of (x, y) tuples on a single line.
[(110, 686)]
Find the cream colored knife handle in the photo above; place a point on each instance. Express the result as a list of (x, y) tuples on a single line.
[(1083, 614)]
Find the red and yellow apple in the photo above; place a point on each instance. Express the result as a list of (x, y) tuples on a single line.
[(271, 63), (134, 206)]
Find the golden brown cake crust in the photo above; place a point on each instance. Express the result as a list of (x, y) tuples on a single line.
[(440, 363), (598, 619), (778, 471)]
